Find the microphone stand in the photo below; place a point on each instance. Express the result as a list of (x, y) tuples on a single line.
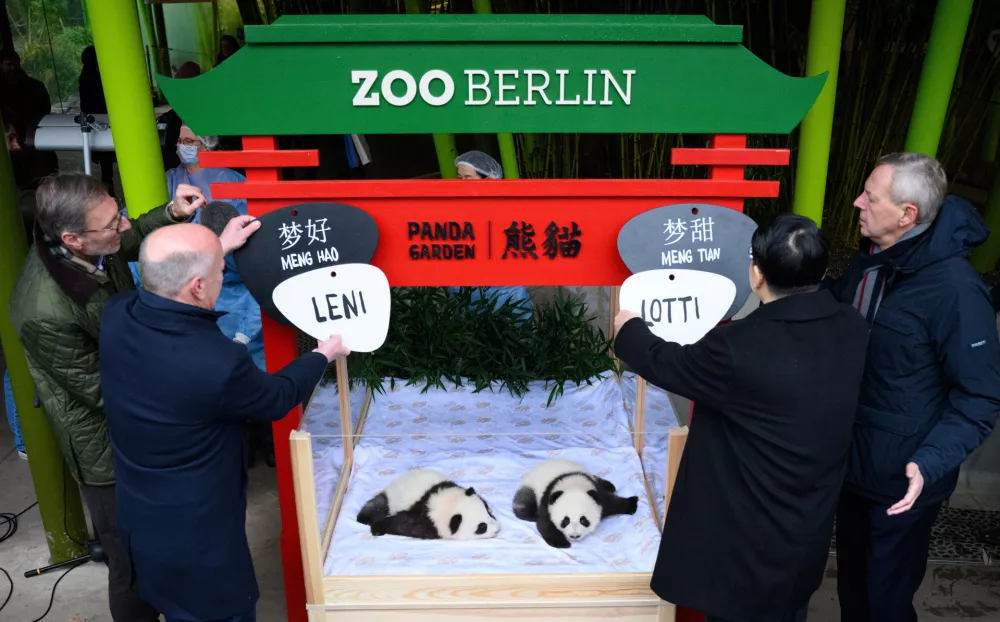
[(95, 553), (85, 120)]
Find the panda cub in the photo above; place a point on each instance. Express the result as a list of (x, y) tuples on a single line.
[(566, 502), (425, 504)]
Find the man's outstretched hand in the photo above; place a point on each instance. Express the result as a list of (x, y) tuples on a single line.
[(916, 487), (236, 233), (332, 348), (622, 317)]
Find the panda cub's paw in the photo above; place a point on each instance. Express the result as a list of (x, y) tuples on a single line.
[(632, 505), (378, 528)]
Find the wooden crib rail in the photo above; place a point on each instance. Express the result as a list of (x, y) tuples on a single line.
[(307, 511)]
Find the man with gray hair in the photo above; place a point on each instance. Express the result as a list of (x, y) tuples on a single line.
[(931, 391), (178, 394), (82, 246)]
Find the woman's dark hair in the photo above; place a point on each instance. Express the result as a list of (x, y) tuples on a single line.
[(88, 58), (792, 254)]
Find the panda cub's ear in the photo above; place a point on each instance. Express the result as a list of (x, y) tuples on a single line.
[(456, 522), (555, 496), (470, 491)]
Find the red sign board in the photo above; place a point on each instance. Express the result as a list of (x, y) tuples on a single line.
[(531, 232)]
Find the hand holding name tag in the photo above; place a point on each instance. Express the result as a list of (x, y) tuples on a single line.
[(680, 306), (332, 348)]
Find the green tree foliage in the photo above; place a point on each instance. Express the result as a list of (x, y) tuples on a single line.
[(49, 35)]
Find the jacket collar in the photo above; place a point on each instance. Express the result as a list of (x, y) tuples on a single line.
[(165, 312), (798, 307), (77, 278)]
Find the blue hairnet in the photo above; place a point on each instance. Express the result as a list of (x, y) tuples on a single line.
[(482, 163)]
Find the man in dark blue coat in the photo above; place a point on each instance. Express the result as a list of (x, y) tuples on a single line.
[(931, 392), (177, 394)]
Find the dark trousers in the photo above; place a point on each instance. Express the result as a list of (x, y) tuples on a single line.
[(124, 600), (794, 616), (881, 559), (250, 616)]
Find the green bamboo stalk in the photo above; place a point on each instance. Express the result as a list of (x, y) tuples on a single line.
[(115, 28), (444, 144), (985, 257), (154, 63), (826, 33), (508, 155), (951, 19)]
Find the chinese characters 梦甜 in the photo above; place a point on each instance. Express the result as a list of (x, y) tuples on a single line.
[(675, 231)]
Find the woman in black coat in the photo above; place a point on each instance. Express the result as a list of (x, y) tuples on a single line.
[(748, 529)]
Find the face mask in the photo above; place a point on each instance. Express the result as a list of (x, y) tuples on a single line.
[(188, 154)]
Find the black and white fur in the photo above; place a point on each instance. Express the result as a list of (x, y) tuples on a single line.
[(424, 504), (566, 502)]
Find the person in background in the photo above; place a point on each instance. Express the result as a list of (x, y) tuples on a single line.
[(92, 102), (931, 390), (190, 173), (228, 45), (172, 121), (179, 445), (241, 322), (476, 165), (26, 97), (28, 101), (12, 420), (10, 132), (13, 145), (774, 401), (82, 244)]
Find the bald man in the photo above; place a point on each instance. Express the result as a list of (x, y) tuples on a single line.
[(178, 394)]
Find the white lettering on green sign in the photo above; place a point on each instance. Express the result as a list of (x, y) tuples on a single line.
[(484, 88)]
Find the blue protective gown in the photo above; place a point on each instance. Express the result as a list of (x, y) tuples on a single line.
[(203, 180)]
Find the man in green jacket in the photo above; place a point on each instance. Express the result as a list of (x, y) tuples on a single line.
[(82, 246)]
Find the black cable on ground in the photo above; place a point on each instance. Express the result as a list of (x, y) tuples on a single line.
[(8, 523), (52, 598), (11, 592), (8, 455)]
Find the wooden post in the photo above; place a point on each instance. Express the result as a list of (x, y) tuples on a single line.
[(344, 391), (613, 308), (639, 425), (300, 447)]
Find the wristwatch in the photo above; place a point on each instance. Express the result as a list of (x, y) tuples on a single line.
[(170, 213)]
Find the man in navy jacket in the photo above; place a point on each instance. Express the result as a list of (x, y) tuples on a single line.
[(931, 392), (178, 394)]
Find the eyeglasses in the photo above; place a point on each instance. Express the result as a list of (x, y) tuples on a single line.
[(115, 225), (189, 142)]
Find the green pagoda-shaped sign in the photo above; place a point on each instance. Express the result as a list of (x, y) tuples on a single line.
[(407, 74)]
